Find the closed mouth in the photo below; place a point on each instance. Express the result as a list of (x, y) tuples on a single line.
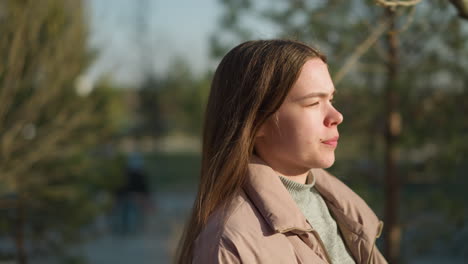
[(332, 141)]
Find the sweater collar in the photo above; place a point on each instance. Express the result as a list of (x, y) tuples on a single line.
[(295, 187)]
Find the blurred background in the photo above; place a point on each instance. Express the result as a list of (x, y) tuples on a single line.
[(101, 108)]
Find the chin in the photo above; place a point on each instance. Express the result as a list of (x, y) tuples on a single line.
[(326, 163)]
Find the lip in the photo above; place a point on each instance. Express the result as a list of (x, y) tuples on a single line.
[(332, 141)]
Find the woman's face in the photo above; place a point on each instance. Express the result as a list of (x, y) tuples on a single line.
[(303, 134)]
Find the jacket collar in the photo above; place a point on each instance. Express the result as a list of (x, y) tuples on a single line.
[(271, 198), (277, 207), (348, 208)]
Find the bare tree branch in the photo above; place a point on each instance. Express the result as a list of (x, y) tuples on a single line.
[(372, 38), (462, 7), (394, 4), (360, 50)]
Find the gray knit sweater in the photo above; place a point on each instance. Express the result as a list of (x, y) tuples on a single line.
[(312, 205)]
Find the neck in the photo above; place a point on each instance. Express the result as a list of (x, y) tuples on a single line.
[(295, 174)]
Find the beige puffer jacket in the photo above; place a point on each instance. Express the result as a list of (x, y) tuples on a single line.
[(265, 225)]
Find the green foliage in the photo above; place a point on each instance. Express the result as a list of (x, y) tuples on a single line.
[(174, 103), (53, 177)]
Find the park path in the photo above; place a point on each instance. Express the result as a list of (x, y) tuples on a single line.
[(154, 244)]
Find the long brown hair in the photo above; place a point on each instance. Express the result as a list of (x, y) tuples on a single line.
[(249, 85)]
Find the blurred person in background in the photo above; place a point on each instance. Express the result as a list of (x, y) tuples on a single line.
[(270, 129), (132, 198)]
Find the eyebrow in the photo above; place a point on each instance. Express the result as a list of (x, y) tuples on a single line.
[(314, 94)]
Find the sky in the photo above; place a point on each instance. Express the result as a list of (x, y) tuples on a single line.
[(175, 28)]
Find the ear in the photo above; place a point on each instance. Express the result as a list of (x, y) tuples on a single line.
[(261, 131), (267, 125)]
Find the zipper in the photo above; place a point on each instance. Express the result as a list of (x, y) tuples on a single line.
[(379, 232)]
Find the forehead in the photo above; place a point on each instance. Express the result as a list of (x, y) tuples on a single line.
[(313, 78)]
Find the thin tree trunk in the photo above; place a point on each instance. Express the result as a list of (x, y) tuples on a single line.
[(393, 130), (19, 233)]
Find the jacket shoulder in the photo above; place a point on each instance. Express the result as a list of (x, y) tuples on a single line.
[(337, 192), (240, 223)]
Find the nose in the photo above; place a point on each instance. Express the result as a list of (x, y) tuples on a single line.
[(333, 118)]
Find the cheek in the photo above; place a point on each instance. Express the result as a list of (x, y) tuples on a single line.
[(282, 135), (288, 129), (305, 129), (296, 128), (294, 137)]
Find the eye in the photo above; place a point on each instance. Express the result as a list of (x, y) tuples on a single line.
[(316, 103), (332, 100)]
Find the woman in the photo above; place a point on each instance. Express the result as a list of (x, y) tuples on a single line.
[(270, 129)]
